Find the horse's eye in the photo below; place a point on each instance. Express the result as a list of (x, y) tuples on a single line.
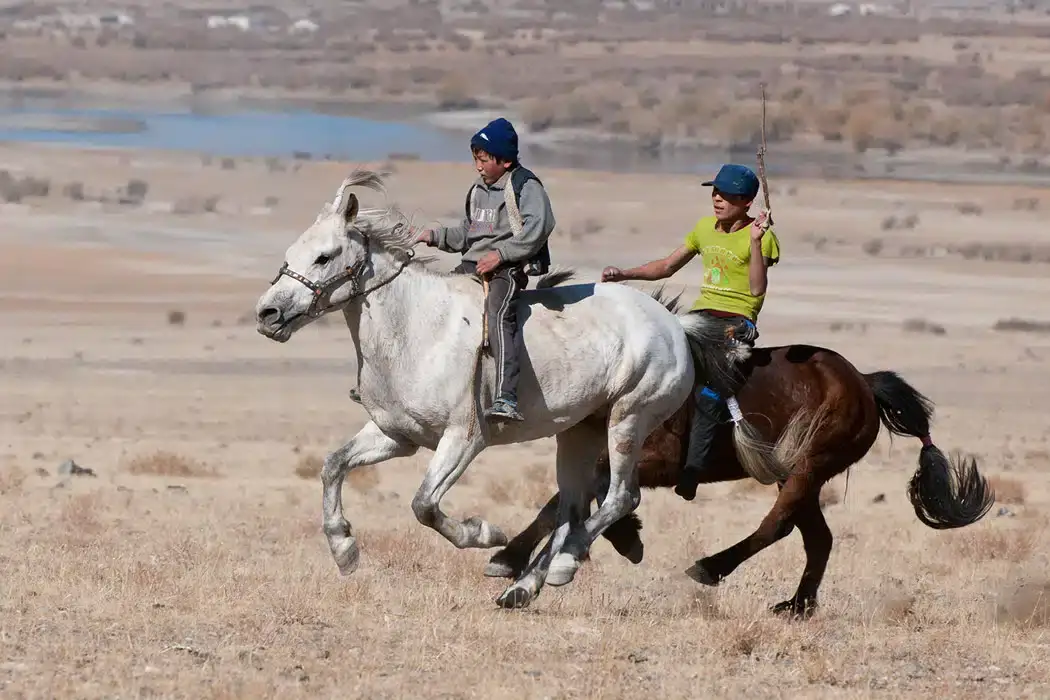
[(322, 260)]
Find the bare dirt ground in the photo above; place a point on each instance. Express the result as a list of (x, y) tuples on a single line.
[(192, 563)]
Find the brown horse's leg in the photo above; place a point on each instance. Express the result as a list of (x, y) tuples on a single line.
[(624, 535), (817, 539), (775, 526), (512, 560)]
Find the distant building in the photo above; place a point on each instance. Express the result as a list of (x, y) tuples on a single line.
[(241, 22), (116, 19), (72, 22), (69, 20), (303, 26), (960, 8)]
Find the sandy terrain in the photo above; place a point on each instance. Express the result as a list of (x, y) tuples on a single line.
[(192, 564)]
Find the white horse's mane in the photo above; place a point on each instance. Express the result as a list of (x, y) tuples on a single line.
[(386, 227)]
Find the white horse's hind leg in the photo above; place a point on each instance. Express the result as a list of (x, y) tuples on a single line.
[(370, 446), (623, 496), (578, 451), (453, 455)]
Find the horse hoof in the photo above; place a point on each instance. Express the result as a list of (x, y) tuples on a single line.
[(562, 570), (635, 552), (699, 573), (496, 569), (514, 598), (795, 609), (347, 555), (486, 535), (492, 536), (632, 551), (500, 569)]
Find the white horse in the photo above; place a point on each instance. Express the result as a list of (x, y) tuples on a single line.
[(602, 365)]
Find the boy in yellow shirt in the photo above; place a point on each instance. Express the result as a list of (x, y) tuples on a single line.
[(737, 250)]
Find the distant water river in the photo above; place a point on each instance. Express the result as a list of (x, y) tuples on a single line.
[(286, 133), (233, 133), (262, 131)]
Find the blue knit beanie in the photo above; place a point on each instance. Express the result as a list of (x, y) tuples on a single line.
[(498, 138)]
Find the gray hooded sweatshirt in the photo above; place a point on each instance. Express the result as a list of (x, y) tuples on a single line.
[(488, 227)]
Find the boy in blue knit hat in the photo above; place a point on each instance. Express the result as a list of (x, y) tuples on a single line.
[(504, 234), (737, 251)]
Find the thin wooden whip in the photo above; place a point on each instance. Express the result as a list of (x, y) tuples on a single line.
[(485, 315), (477, 359), (762, 156)]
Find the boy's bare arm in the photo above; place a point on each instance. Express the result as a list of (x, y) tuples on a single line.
[(653, 270), (758, 268)]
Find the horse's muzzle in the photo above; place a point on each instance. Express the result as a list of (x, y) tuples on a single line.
[(272, 324)]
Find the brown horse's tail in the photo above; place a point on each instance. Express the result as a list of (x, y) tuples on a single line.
[(945, 493)]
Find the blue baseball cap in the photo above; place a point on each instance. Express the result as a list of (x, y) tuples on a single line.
[(735, 179)]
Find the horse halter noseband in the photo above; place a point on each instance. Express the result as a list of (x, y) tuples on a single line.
[(322, 291)]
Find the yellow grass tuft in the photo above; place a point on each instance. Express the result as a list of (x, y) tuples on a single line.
[(1007, 490), (499, 491), (309, 467), (745, 637), (895, 606), (363, 479), (1004, 543), (530, 486), (1026, 605), (537, 485), (11, 480), (80, 514), (164, 463)]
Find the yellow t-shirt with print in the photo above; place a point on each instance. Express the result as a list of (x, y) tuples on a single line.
[(726, 257)]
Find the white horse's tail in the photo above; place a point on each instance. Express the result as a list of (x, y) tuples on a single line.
[(767, 462), (707, 340)]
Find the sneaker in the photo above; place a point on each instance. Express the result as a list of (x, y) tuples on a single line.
[(504, 409), (354, 396)]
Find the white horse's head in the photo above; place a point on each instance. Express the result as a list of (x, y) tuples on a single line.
[(327, 266)]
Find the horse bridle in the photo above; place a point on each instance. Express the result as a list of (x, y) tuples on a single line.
[(323, 291)]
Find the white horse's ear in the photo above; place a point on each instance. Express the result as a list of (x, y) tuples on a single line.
[(345, 202), (348, 208)]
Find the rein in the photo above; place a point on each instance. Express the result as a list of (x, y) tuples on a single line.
[(322, 291)]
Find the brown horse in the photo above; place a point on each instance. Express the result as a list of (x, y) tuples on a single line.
[(813, 403)]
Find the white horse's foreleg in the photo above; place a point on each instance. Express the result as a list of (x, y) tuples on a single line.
[(453, 455), (370, 446), (578, 450), (523, 591), (622, 497)]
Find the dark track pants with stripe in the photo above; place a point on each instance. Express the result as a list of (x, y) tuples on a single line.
[(504, 286)]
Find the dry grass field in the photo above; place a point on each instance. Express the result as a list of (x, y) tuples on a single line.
[(190, 562)]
